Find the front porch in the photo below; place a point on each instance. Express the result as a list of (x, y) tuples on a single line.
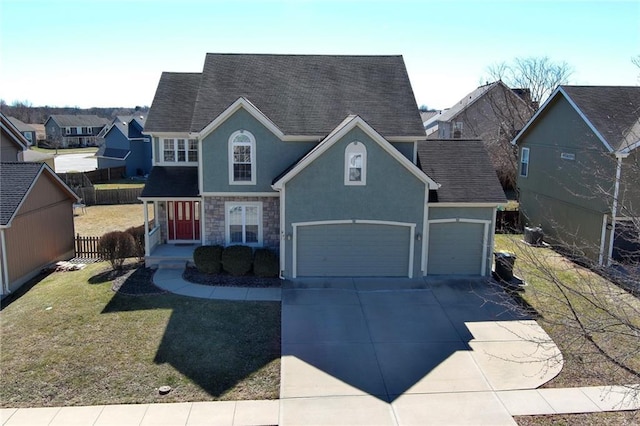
[(174, 256)]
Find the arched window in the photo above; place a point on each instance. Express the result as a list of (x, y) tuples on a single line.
[(242, 158), (355, 164)]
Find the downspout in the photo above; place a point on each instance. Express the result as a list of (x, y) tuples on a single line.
[(5, 270), (147, 249), (614, 206)]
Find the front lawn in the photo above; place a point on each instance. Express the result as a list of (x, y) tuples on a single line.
[(606, 352), (71, 340)]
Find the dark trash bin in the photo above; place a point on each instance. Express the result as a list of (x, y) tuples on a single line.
[(533, 236), (504, 265)]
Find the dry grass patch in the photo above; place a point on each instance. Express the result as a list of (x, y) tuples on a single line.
[(70, 340), (98, 220)]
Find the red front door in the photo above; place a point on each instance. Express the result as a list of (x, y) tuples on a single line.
[(184, 220)]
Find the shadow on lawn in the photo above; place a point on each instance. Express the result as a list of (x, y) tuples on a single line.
[(216, 344)]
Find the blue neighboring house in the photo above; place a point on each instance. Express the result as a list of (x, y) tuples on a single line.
[(125, 145)]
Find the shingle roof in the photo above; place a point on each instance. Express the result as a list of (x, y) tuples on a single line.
[(613, 110), (69, 120), (301, 94), (21, 125), (462, 168), (120, 154), (172, 107), (15, 181), (169, 182)]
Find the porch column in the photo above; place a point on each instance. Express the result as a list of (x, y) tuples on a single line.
[(147, 249)]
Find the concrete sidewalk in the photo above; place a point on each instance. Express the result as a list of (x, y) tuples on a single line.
[(460, 408)]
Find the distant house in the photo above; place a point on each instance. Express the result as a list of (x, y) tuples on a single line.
[(493, 113), (430, 120), (580, 168), (125, 145), (13, 144), (28, 131), (312, 157), (74, 130)]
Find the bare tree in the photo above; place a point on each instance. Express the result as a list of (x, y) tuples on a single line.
[(540, 75)]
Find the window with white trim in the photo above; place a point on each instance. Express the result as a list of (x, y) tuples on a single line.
[(180, 150), (243, 223), (242, 158), (524, 162), (355, 164)]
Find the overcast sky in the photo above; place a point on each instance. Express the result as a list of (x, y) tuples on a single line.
[(111, 52)]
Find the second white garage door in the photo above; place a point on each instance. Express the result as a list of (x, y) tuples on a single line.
[(353, 250), (456, 247)]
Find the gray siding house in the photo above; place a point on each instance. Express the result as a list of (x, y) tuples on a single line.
[(27, 130), (322, 159), (579, 171), (13, 144), (65, 130)]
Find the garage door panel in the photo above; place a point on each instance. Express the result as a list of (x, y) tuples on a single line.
[(353, 250), (455, 248)]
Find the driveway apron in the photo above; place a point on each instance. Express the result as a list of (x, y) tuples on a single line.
[(406, 344)]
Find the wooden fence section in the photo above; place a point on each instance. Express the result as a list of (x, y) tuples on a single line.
[(87, 247), (508, 222), (117, 196), (106, 175)]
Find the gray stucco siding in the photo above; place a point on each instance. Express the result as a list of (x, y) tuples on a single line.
[(391, 194), (273, 156)]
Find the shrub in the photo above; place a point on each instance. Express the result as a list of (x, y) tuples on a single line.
[(265, 263), (207, 259), (237, 260), (116, 246), (137, 232)]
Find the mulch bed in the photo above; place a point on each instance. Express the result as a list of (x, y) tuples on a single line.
[(135, 281), (192, 274)]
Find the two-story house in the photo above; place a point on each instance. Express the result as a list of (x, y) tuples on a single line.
[(322, 159), (125, 145), (492, 112), (64, 130), (579, 171)]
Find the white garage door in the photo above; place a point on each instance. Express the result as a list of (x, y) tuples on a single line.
[(456, 248), (353, 250)]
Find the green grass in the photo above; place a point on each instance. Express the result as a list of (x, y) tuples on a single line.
[(121, 183), (560, 291), (95, 221), (70, 340)]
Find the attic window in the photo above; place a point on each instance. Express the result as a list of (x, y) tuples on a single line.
[(457, 130), (355, 164)]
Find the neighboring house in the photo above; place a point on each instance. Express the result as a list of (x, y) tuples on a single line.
[(580, 168), (430, 120), (318, 158), (492, 112), (28, 131), (74, 130), (13, 144), (36, 222), (125, 145)]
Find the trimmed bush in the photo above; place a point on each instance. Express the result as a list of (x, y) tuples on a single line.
[(265, 263), (116, 246), (237, 260), (137, 232), (207, 259)]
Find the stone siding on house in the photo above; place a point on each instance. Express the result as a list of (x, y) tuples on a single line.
[(214, 216)]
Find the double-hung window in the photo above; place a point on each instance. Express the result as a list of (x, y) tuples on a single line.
[(180, 150), (243, 223), (242, 158), (524, 162)]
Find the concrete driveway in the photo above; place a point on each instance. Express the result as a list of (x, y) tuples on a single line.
[(395, 348)]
